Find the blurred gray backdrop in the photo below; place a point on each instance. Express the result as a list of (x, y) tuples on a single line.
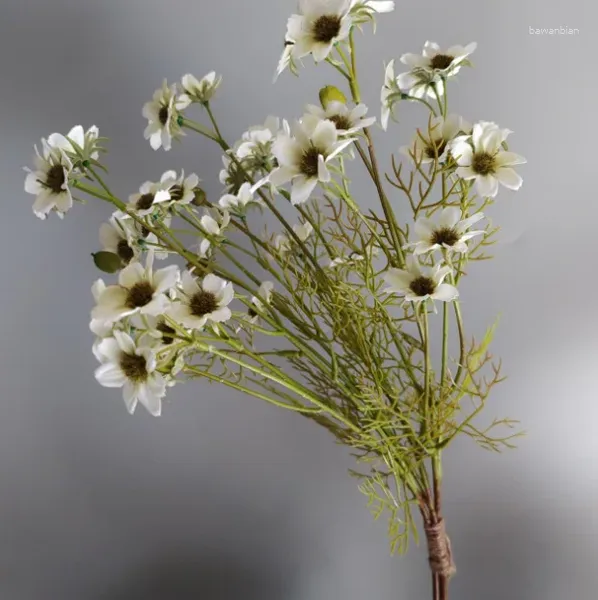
[(224, 497)]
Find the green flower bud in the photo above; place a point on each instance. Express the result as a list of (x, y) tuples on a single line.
[(107, 262), (329, 94), (200, 197)]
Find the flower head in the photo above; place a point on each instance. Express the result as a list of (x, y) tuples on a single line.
[(162, 115), (49, 182), (389, 94), (319, 25), (448, 231), (445, 63), (286, 59), (303, 157), (418, 283), (198, 91), (346, 120), (238, 203), (482, 157), (180, 188), (139, 290), (150, 196), (435, 143), (199, 303), (132, 367), (79, 145), (117, 237)]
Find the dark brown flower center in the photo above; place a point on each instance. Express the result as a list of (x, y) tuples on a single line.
[(163, 115), (166, 331), (124, 251), (326, 28), (483, 163), (140, 295), (309, 162), (177, 192), (435, 149), (446, 236), (134, 367), (341, 122), (145, 201), (422, 286), (442, 61), (203, 303), (55, 179)]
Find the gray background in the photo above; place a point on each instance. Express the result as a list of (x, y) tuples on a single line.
[(224, 497)]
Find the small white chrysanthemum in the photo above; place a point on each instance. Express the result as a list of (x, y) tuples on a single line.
[(418, 283), (420, 82), (445, 63), (198, 91), (286, 60), (149, 197), (116, 236), (98, 326), (200, 303), (264, 296), (389, 94), (346, 120), (133, 368), (238, 203), (282, 243), (139, 290), (79, 145), (435, 143), (448, 231), (319, 25), (162, 114), (378, 6), (180, 188), (49, 182), (303, 157), (482, 158)]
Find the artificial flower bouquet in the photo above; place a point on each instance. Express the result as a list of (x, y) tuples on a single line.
[(345, 315)]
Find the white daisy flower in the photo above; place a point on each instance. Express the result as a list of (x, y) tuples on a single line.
[(346, 120), (116, 237), (286, 60), (282, 243), (435, 143), (79, 145), (49, 182), (264, 296), (377, 6), (155, 331), (198, 91), (200, 303), (319, 25), (99, 327), (418, 283), (238, 203), (447, 231), (139, 290), (133, 368), (482, 158), (389, 94), (442, 62), (150, 195), (180, 188), (420, 82), (162, 114), (303, 157)]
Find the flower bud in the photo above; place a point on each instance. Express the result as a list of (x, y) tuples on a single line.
[(329, 94), (200, 197), (108, 262)]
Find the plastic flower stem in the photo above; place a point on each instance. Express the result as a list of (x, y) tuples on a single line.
[(246, 390)]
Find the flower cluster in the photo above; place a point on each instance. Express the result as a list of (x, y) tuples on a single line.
[(62, 161), (321, 287)]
